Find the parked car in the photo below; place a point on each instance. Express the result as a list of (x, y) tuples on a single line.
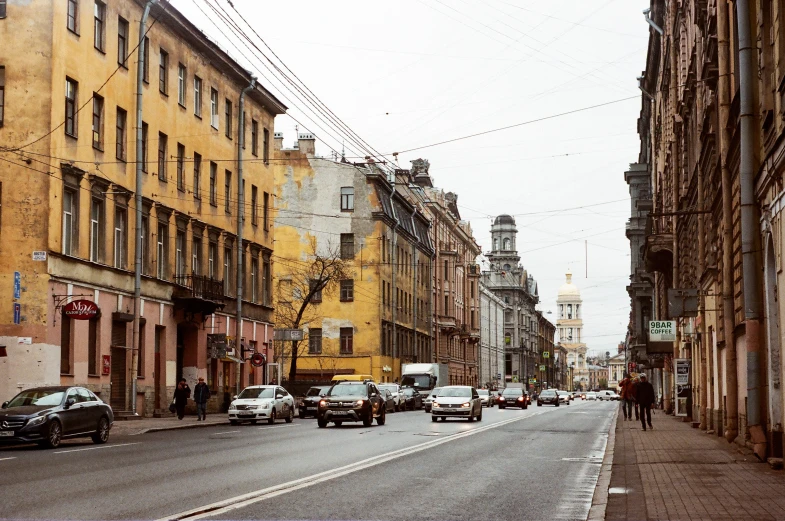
[(397, 394), (495, 396), (389, 401), (548, 397), (591, 396), (564, 397), (310, 403), (485, 397), (262, 402), (47, 415), (608, 395), (352, 402), (412, 398), (429, 399), (513, 397), (457, 401)]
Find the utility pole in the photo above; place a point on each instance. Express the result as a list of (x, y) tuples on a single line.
[(138, 244)]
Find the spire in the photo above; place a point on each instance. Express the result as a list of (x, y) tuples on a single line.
[(569, 276)]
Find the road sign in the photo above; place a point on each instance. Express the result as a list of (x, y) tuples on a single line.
[(546, 354), (17, 313), (532, 380), (542, 368), (17, 285), (498, 376), (288, 334)]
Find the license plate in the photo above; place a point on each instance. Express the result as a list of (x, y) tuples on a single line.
[(6, 433), (340, 413), (246, 414), (310, 408)]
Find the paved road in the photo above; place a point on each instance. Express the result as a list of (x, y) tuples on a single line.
[(541, 463)]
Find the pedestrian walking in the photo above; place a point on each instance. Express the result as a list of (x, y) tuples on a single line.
[(645, 398), (201, 395), (626, 396), (181, 394), (634, 394)]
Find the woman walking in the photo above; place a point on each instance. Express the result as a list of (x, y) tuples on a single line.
[(181, 395)]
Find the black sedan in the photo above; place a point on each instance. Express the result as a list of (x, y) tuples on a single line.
[(513, 397), (549, 397), (413, 398), (47, 415), (310, 403)]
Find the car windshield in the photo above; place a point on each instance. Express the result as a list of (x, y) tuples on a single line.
[(408, 392), (483, 392), (316, 391), (547, 393), (456, 392), (591, 394), (257, 392), (512, 392), (43, 398), (436, 392), (390, 388), (348, 390), (419, 380)]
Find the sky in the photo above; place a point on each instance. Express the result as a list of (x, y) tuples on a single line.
[(557, 78)]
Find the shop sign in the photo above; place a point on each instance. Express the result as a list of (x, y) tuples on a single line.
[(216, 345), (81, 310), (39, 255), (106, 364), (662, 331)]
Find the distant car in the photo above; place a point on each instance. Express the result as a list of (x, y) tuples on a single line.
[(485, 397), (591, 397), (389, 401), (310, 403), (397, 393), (608, 395), (429, 399), (262, 402), (412, 398), (513, 397), (352, 402), (548, 397), (457, 401), (564, 397), (582, 396), (47, 415)]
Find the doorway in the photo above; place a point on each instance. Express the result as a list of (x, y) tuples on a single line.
[(119, 366)]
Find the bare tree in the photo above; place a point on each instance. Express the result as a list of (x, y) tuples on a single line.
[(301, 286)]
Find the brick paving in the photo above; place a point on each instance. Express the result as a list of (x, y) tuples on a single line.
[(675, 472)]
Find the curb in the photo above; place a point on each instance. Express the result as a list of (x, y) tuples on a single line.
[(599, 502), (174, 428)]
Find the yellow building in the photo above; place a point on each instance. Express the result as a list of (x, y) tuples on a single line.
[(379, 316), (68, 72)]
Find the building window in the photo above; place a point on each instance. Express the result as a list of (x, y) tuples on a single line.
[(227, 191), (146, 71), (71, 92), (266, 147), (98, 122), (347, 340), (267, 281), (96, 229), (212, 253), (214, 108), (120, 234), (317, 293), (254, 203), (144, 147), (347, 290), (163, 72), (145, 244), (122, 42), (254, 279), (197, 96), (122, 120), (92, 347), (72, 20), (228, 116), (314, 341), (181, 76), (213, 181), (347, 199), (70, 214), (2, 8), (162, 251), (180, 167), (265, 210), (2, 94), (197, 176), (254, 137), (142, 348), (347, 245), (99, 25), (179, 255), (227, 271), (162, 146)]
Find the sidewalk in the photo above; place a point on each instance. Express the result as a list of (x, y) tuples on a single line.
[(675, 472), (135, 427)]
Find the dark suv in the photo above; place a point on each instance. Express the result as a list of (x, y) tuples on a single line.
[(310, 403), (352, 402)]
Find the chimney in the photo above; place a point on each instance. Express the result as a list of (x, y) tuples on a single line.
[(306, 143), (278, 141)]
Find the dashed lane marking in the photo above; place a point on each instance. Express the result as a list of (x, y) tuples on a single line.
[(96, 448)]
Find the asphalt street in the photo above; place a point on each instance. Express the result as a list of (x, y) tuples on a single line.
[(541, 463)]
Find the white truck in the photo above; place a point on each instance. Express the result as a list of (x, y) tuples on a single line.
[(424, 377)]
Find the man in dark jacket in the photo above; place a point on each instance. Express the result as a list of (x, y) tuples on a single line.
[(181, 394), (201, 395), (645, 398)]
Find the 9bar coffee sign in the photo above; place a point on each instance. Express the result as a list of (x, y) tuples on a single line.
[(662, 335), (81, 310)]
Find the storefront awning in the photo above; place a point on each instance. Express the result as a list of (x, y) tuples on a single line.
[(229, 358)]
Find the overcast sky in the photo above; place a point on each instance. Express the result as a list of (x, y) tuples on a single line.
[(405, 74)]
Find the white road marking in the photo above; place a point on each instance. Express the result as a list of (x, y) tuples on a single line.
[(96, 448), (277, 427), (227, 505), (4, 459), (227, 432)]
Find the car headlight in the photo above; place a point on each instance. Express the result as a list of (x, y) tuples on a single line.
[(322, 403), (360, 402), (466, 404), (435, 404), (36, 421), (232, 407)]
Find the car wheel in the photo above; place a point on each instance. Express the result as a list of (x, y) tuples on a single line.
[(301, 415), (479, 416), (471, 418), (54, 434), (271, 419), (381, 419), (539, 404), (501, 407), (253, 422), (290, 418), (557, 404), (525, 406), (367, 422), (102, 433), (321, 423), (232, 422), (434, 419)]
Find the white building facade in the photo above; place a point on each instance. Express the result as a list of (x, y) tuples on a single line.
[(569, 327), (492, 310)]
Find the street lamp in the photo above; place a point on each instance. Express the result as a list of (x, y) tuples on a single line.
[(572, 382)]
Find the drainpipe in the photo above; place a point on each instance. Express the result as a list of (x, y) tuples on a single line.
[(700, 347), (394, 291), (750, 217), (414, 294), (240, 218), (728, 322), (135, 340)]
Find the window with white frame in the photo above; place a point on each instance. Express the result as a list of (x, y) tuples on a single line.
[(162, 250), (70, 213), (179, 254), (96, 229), (181, 77), (120, 237), (214, 108), (197, 96)]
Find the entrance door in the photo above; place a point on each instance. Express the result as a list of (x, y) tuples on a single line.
[(119, 369), (160, 361)]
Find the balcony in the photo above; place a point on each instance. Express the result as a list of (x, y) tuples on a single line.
[(474, 270), (469, 333), (198, 294), (448, 248)]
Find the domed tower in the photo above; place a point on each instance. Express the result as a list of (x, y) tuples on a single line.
[(569, 325), (504, 254)]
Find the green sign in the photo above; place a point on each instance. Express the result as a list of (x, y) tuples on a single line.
[(542, 368), (546, 354), (532, 380)]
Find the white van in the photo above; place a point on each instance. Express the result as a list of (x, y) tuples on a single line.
[(608, 395)]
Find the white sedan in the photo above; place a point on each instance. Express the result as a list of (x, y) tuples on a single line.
[(457, 401), (262, 402), (591, 396), (397, 394)]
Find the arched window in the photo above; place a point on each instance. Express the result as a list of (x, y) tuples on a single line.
[(507, 266), (569, 310), (507, 338), (506, 245), (496, 244)]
